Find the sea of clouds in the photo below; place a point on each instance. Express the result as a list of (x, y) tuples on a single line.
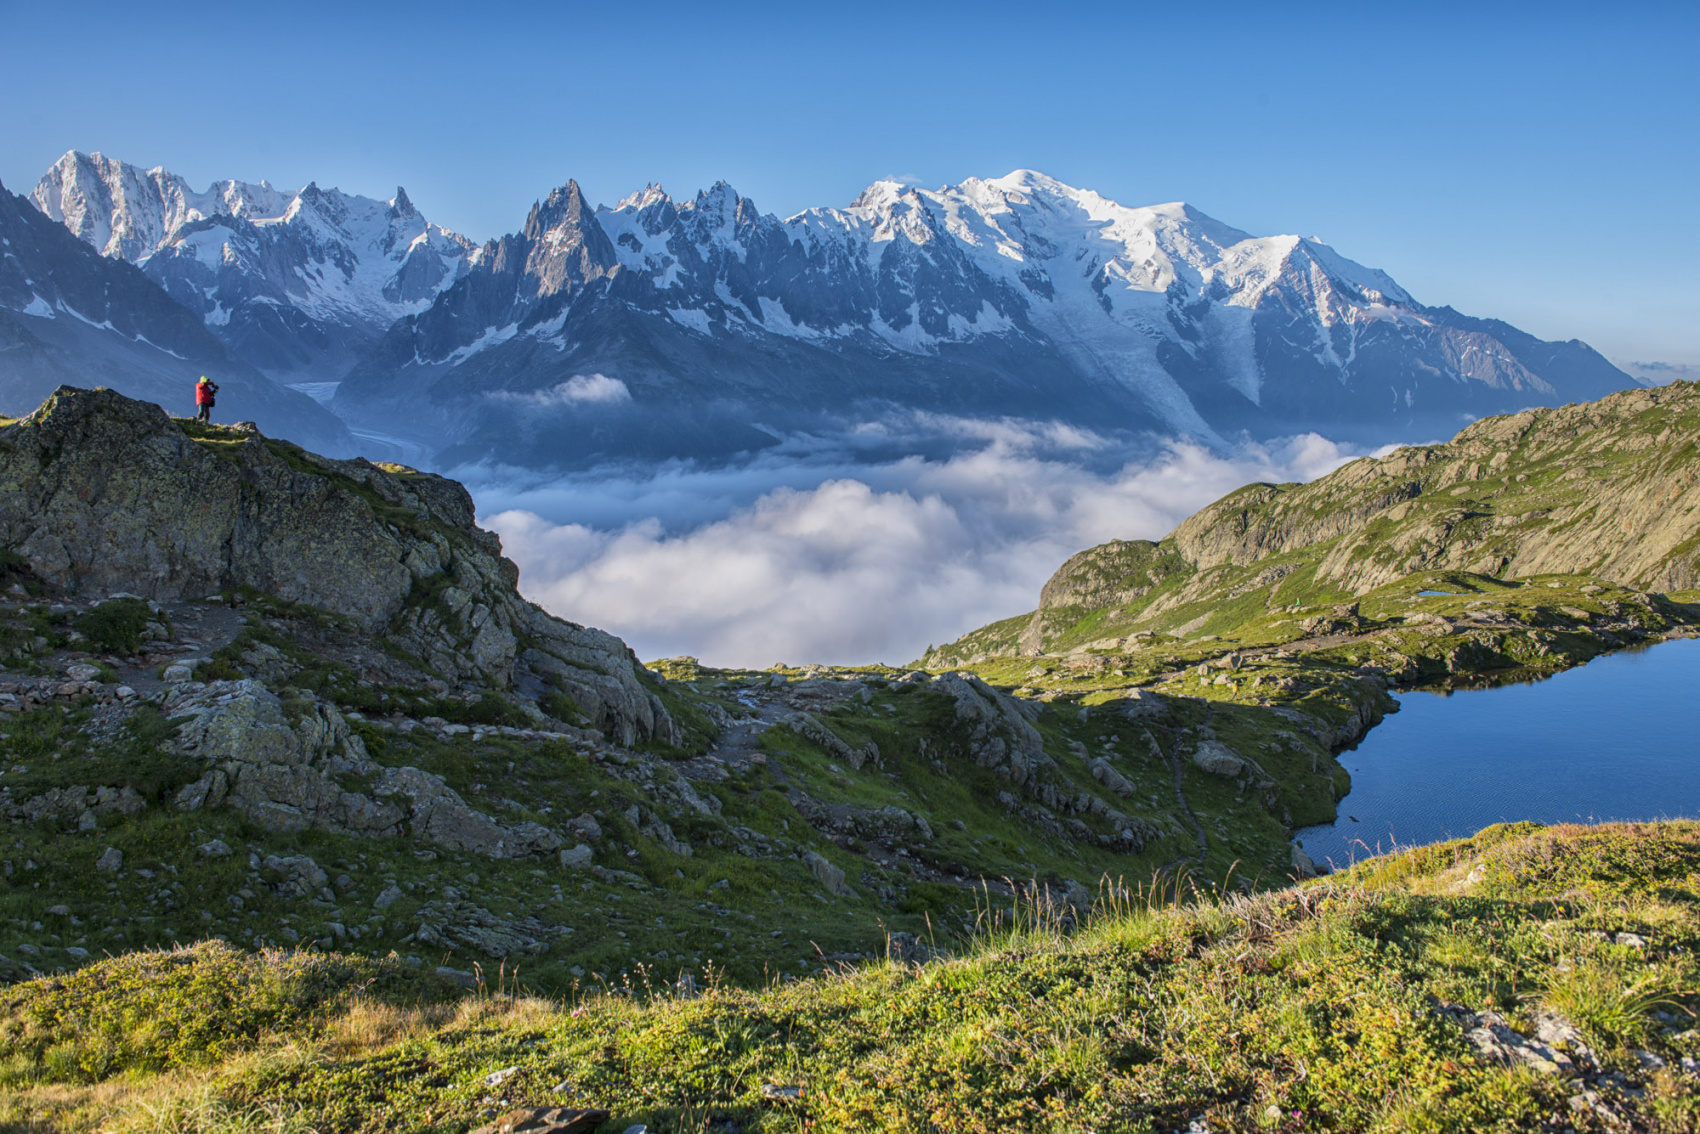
[(847, 550)]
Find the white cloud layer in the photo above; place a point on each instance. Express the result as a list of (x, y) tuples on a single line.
[(804, 555), (582, 389)]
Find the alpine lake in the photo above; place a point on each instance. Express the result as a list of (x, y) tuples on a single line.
[(1616, 739)]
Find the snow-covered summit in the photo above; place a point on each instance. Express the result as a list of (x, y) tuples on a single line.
[(1017, 295), (294, 281)]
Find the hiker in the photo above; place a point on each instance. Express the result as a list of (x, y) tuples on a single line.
[(206, 394)]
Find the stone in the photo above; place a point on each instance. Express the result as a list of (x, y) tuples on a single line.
[(497, 1078), (586, 828), (76, 953), (59, 911), (1000, 736), (82, 672), (546, 1120), (578, 857), (457, 924), (1218, 759), (91, 491), (293, 876), (216, 848), (828, 875), (387, 898), (284, 774), (1107, 775), (177, 672), (110, 861), (1497, 1040)]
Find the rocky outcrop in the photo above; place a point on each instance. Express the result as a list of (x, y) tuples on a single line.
[(809, 727), (101, 493), (290, 771), (999, 735)]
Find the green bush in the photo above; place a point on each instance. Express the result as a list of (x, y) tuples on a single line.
[(116, 626)]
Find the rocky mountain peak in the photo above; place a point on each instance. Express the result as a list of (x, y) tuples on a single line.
[(567, 245)]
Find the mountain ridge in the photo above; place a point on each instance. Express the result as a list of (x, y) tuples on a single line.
[(71, 316), (725, 326), (1018, 295), (298, 284)]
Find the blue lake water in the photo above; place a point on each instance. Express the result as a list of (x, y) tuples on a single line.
[(1618, 738)]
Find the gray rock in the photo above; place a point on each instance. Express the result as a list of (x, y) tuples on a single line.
[(284, 774), (1497, 1040), (578, 857), (999, 735), (663, 834), (217, 848), (1218, 759), (91, 491), (293, 876), (1104, 773), (389, 897), (110, 861), (828, 875), (808, 726)]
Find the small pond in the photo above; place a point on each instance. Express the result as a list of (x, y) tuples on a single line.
[(1618, 738)]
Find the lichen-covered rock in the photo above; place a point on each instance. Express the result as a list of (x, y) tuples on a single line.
[(1218, 759), (454, 924), (809, 727), (1105, 773), (1000, 736), (290, 775), (829, 876)]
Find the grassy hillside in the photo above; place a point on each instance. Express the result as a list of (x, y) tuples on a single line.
[(1525, 979), (1606, 491)]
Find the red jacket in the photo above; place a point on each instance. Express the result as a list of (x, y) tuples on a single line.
[(203, 393)]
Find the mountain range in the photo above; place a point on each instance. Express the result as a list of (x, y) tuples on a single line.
[(69, 314), (703, 327)]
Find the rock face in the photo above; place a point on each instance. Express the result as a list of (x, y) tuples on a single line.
[(290, 774), (101, 493), (999, 734)]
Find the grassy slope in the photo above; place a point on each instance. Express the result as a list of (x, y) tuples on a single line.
[(1569, 488), (1310, 1008)]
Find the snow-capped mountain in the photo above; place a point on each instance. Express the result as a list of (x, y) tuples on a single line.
[(69, 316), (298, 284), (704, 326)]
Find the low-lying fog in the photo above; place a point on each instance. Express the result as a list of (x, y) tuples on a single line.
[(836, 550)]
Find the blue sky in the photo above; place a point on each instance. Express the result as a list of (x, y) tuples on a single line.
[(1533, 162)]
